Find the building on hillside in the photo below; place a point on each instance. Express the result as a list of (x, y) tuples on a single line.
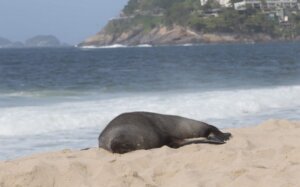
[(278, 8), (266, 4), (224, 3)]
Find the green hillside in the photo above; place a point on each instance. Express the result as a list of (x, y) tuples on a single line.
[(148, 14)]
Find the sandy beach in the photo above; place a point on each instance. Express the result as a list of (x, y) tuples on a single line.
[(264, 155)]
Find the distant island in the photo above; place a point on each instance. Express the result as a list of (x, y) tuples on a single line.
[(43, 41), (36, 41), (168, 22), (5, 43)]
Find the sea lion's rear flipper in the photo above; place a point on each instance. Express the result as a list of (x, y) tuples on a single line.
[(208, 141), (217, 135), (181, 143)]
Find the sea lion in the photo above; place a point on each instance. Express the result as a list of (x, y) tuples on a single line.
[(144, 130)]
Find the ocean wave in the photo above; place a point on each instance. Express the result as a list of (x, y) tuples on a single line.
[(207, 106), (104, 47), (115, 46), (144, 45)]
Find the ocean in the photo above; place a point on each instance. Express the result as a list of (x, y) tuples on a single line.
[(62, 98)]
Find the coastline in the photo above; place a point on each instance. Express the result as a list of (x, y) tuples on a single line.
[(264, 155), (214, 40), (118, 46), (176, 35)]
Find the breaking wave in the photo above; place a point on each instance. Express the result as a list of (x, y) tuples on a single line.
[(213, 106)]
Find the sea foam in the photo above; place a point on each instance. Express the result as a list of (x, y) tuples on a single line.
[(103, 47), (115, 46), (144, 45), (210, 106)]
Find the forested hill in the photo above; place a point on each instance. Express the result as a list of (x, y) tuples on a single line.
[(160, 22)]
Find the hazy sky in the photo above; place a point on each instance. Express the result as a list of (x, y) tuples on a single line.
[(70, 20)]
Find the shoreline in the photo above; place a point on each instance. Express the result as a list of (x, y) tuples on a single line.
[(148, 45), (263, 155)]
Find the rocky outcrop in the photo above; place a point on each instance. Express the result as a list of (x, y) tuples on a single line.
[(235, 38), (157, 36), (167, 36)]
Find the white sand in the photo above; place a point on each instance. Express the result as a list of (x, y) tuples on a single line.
[(267, 155)]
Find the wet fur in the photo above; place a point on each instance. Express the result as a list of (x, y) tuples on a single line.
[(145, 130)]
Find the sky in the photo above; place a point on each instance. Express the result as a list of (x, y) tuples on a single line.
[(71, 21)]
